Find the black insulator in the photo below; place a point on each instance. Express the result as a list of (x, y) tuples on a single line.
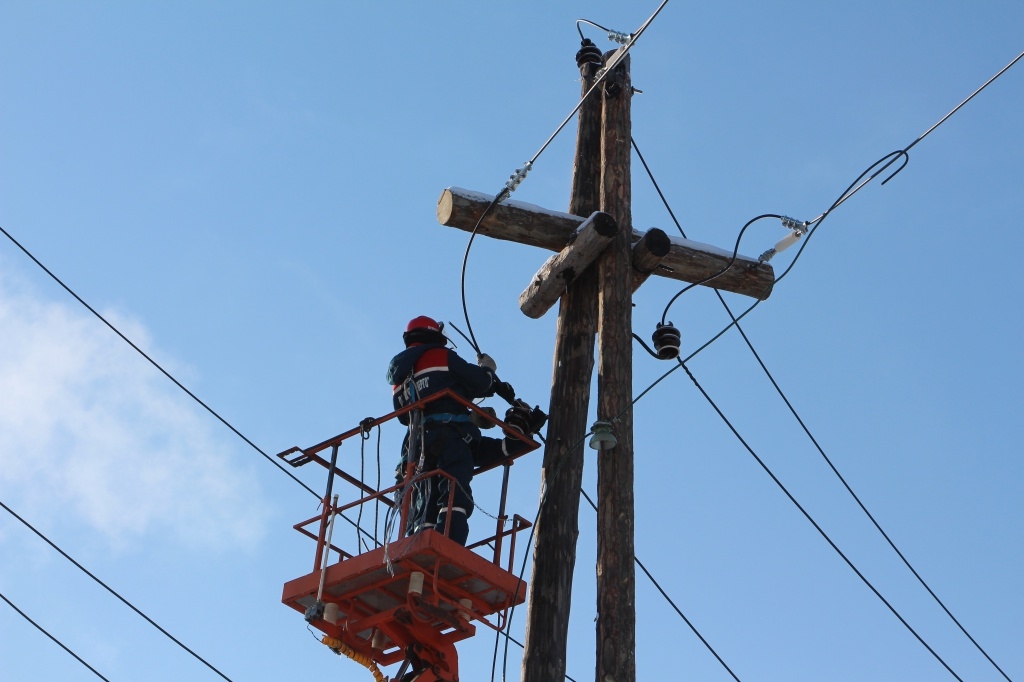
[(589, 54), (667, 340)]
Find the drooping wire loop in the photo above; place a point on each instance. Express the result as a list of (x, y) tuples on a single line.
[(906, 159), (667, 340), (723, 270)]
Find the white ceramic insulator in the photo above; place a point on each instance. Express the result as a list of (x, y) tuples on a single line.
[(331, 613), (415, 583), (467, 606), (787, 241)]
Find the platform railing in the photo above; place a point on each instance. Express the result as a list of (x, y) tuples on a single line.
[(300, 456)]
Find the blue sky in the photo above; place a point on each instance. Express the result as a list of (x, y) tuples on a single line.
[(248, 192)]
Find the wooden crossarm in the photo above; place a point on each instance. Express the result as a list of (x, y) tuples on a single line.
[(516, 221)]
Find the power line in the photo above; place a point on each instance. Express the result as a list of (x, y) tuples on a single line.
[(169, 376), (57, 641), (800, 421), (735, 323), (872, 172), (671, 603), (813, 522), (865, 509), (155, 363), (113, 592), (723, 269), (529, 542), (526, 553), (904, 152)]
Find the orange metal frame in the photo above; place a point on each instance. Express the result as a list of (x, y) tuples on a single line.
[(378, 614)]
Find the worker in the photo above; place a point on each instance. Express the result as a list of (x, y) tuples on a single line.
[(452, 441)]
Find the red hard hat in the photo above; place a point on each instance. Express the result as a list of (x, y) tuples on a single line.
[(425, 323)]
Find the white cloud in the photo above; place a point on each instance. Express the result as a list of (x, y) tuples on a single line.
[(92, 433)]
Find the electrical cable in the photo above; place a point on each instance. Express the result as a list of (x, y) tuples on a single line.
[(664, 594), (592, 23), (113, 592), (502, 633), (526, 552), (57, 641), (164, 371), (905, 150), (885, 162), (865, 509), (155, 363), (735, 254), (813, 522), (806, 430), (360, 545), (520, 174), (529, 542), (619, 55)]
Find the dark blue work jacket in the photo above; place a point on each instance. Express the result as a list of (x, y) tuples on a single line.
[(433, 368)]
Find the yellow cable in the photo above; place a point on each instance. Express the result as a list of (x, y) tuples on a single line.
[(339, 647)]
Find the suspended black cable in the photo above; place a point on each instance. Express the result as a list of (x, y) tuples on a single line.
[(526, 552), (502, 633), (864, 508), (168, 374), (721, 271), (465, 262), (803, 426), (155, 363), (813, 522), (882, 165), (361, 545), (529, 543), (55, 640), (671, 603), (592, 23), (113, 592)]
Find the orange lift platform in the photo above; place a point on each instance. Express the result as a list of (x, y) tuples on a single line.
[(408, 598)]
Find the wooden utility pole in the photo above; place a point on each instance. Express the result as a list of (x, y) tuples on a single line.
[(616, 592), (601, 260), (554, 550)]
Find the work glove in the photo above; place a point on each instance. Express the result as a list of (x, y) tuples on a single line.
[(524, 419), (537, 419), (479, 421), (504, 390), (487, 362)]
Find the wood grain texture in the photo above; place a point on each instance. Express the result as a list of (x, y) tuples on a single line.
[(616, 574), (556, 531), (515, 221), (648, 252), (562, 269)]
